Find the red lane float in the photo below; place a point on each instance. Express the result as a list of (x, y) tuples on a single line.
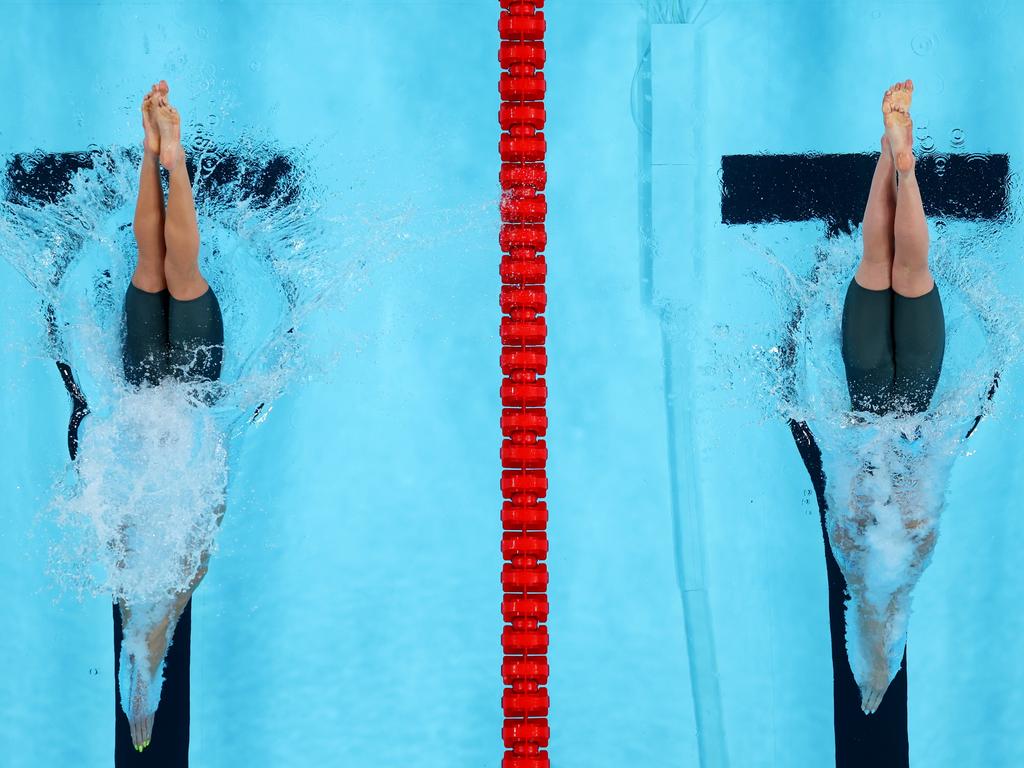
[(524, 422)]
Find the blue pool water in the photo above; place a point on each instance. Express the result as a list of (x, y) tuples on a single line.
[(351, 614)]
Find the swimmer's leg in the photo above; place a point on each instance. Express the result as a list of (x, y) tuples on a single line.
[(144, 353), (195, 327), (919, 328), (181, 228), (148, 223), (875, 269), (867, 347), (910, 274), (867, 312), (146, 301), (196, 337)]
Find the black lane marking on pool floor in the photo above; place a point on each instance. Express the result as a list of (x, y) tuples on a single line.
[(763, 189), (40, 178)]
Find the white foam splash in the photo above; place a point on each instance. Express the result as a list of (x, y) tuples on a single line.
[(141, 505), (886, 476), (151, 477), (137, 506)]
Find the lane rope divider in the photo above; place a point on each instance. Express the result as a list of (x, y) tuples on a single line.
[(524, 422)]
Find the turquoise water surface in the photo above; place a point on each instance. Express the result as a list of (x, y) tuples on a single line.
[(351, 615)]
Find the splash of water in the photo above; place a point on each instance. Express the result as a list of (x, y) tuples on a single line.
[(138, 507), (886, 476), (143, 497), (141, 506)]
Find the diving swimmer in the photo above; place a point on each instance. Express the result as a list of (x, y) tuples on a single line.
[(893, 341), (173, 328)]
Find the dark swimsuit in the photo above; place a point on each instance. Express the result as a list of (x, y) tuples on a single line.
[(892, 348), (168, 337)]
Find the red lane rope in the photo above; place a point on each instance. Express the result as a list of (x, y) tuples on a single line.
[(524, 421)]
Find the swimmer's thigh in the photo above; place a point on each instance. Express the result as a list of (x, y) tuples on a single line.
[(144, 353), (196, 336), (919, 331), (867, 345)]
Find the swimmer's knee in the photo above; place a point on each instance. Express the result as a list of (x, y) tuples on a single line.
[(911, 282)]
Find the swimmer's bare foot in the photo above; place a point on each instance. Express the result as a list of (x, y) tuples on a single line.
[(899, 129), (169, 122), (151, 142)]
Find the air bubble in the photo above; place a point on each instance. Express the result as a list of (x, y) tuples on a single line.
[(956, 137), (940, 165), (923, 43)]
